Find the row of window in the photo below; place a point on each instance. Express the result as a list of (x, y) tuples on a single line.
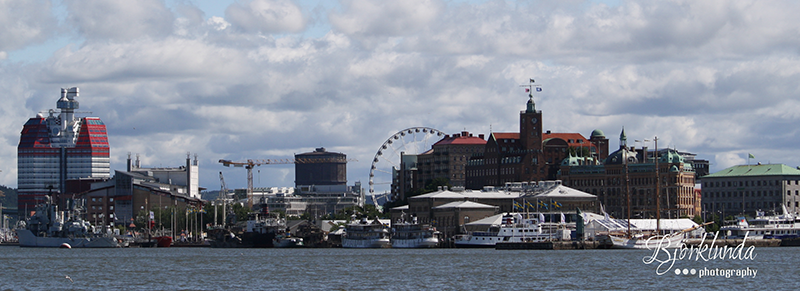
[(712, 206), (748, 183)]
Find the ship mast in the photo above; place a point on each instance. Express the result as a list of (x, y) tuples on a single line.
[(658, 194)]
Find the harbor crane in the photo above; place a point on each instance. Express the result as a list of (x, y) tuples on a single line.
[(250, 164)]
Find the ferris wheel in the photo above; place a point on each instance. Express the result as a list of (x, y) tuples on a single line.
[(409, 141)]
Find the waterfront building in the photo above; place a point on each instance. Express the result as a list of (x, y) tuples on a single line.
[(745, 189), (128, 193), (446, 159), (445, 209), (320, 167), (58, 147), (633, 171), (530, 154)]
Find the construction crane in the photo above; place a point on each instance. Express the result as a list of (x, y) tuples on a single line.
[(249, 164), (223, 196)]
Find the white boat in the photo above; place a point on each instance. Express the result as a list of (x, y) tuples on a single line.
[(784, 226), (411, 235), (365, 234), (643, 241), (49, 227), (513, 229)]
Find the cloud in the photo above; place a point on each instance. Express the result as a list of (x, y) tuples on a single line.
[(120, 20), (266, 16), (25, 23), (712, 78), (371, 18)]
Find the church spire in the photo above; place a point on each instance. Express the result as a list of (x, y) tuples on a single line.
[(623, 140)]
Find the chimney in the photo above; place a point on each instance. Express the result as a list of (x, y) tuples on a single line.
[(481, 136)]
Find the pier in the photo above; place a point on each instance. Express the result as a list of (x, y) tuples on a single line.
[(552, 245)]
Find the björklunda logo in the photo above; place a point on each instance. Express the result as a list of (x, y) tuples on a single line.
[(665, 257)]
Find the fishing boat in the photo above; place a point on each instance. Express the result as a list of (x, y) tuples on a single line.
[(512, 229), (365, 234), (414, 235), (49, 227)]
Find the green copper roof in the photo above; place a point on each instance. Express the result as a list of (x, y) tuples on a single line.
[(756, 170), (598, 133)]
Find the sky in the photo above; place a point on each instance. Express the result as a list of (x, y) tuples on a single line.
[(267, 79)]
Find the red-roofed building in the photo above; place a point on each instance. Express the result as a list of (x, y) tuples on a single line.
[(530, 154), (446, 159), (57, 148)]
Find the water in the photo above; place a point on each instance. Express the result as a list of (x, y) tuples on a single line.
[(374, 269)]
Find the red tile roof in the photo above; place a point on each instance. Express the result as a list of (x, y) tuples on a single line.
[(570, 136), (460, 140), (505, 135)]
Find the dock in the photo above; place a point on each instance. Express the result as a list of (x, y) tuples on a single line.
[(551, 245), (772, 242)]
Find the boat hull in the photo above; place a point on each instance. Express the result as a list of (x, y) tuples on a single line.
[(417, 243), (664, 242), (28, 239), (366, 243)]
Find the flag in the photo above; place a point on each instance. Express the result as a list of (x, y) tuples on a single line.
[(531, 80), (542, 204), (751, 156), (517, 206), (527, 90), (538, 89), (555, 204), (541, 218), (528, 204), (563, 219)]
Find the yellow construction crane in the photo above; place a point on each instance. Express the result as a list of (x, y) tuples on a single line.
[(249, 164)]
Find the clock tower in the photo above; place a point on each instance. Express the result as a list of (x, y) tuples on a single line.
[(530, 135)]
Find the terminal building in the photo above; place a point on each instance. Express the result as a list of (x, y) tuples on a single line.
[(59, 147)]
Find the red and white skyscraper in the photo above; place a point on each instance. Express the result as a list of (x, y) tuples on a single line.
[(59, 147)]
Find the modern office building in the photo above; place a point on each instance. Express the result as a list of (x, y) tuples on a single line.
[(59, 147)]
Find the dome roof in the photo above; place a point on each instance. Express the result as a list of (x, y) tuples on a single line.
[(598, 133), (670, 157), (577, 161), (620, 155)]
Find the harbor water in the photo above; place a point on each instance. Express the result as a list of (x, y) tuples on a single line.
[(384, 269)]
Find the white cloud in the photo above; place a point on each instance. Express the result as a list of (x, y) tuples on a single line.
[(25, 23), (369, 18), (717, 79), (266, 16), (120, 20)]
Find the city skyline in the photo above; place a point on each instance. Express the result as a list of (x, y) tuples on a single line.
[(269, 79)]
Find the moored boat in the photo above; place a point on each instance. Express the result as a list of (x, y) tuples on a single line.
[(414, 235), (49, 227), (513, 228), (365, 234), (785, 227)]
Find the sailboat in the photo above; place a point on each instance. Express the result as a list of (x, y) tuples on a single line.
[(630, 240)]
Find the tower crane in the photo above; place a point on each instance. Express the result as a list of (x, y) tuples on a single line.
[(250, 163)]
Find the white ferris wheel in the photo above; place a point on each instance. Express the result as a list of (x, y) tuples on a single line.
[(409, 141)]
